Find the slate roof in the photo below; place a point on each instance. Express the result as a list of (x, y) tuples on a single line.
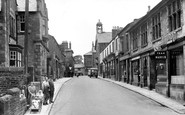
[(32, 5), (104, 37)]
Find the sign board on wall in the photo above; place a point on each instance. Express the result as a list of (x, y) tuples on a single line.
[(160, 55)]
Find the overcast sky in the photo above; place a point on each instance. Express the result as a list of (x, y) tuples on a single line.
[(75, 20)]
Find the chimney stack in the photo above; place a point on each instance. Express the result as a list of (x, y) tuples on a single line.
[(148, 9), (69, 45)]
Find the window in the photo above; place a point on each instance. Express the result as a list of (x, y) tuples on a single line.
[(107, 52), (144, 35), (135, 39), (22, 22), (15, 59), (109, 49), (112, 46), (19, 59), (174, 15), (12, 25), (127, 43), (156, 26), (135, 67)]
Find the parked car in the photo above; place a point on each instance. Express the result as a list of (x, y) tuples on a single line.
[(93, 72)]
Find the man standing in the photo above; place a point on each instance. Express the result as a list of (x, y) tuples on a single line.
[(45, 88), (52, 89)]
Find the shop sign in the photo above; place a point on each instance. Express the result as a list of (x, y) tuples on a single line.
[(160, 55)]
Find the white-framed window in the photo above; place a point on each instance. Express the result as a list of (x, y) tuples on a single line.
[(15, 59), (22, 22), (19, 59)]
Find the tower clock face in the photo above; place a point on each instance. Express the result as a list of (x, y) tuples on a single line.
[(99, 30)]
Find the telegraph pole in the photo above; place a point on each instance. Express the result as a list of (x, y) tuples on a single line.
[(26, 38)]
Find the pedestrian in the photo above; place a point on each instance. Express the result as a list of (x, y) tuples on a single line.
[(32, 91), (52, 89), (45, 88)]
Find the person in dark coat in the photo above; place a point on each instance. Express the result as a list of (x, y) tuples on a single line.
[(45, 88), (52, 89)]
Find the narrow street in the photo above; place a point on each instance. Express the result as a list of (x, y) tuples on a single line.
[(91, 96)]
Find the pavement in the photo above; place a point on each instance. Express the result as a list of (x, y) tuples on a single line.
[(46, 108), (161, 99)]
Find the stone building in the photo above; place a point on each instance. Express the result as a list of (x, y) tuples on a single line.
[(78, 59), (55, 60), (37, 37), (12, 79), (155, 54), (69, 59), (101, 41), (90, 59)]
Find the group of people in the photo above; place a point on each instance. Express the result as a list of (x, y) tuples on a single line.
[(48, 90)]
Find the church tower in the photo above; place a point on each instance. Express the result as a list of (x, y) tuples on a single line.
[(99, 27)]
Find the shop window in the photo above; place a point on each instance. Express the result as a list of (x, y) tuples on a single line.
[(177, 63), (174, 15), (161, 67), (135, 66)]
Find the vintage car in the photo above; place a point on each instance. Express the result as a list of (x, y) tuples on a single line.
[(93, 72)]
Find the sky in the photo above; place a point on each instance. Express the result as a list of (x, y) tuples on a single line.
[(75, 20)]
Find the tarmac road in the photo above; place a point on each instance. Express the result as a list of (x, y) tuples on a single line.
[(91, 96)]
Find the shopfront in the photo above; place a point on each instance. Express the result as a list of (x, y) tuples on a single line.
[(161, 70), (124, 69), (144, 71), (135, 71), (177, 73)]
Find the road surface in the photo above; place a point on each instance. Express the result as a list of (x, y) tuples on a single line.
[(91, 96)]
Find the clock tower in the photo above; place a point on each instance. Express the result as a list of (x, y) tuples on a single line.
[(99, 27)]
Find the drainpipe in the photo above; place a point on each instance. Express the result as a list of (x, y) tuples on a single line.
[(168, 73), (26, 38)]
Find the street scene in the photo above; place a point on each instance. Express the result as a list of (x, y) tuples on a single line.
[(89, 57)]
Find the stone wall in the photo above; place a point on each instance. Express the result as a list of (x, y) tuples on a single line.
[(12, 104), (11, 77), (11, 81)]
